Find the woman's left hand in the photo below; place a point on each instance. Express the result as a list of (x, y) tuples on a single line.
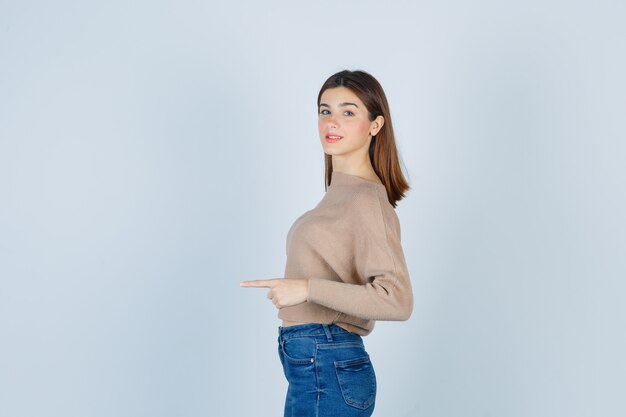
[(284, 292)]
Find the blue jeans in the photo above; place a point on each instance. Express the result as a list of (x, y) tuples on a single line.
[(329, 372)]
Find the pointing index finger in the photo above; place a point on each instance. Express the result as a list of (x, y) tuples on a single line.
[(258, 283)]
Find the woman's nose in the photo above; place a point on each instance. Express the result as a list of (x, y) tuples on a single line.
[(332, 122)]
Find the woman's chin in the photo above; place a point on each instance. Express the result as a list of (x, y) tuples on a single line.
[(331, 150)]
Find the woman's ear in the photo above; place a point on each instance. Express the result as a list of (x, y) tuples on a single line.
[(377, 124)]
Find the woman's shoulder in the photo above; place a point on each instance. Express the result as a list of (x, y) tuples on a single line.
[(368, 203)]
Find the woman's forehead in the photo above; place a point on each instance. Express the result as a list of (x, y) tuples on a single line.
[(339, 95)]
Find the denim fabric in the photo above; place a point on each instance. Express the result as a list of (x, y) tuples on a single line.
[(329, 372)]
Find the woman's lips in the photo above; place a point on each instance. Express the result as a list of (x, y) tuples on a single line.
[(333, 138)]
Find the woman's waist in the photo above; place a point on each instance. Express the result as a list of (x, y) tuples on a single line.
[(318, 330), (306, 313)]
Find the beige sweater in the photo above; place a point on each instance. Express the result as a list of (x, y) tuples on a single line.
[(349, 247)]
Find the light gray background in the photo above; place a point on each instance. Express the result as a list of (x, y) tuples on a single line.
[(154, 154)]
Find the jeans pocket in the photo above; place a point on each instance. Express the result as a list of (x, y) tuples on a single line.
[(299, 350), (357, 381)]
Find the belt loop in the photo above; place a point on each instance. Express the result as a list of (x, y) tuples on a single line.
[(329, 336)]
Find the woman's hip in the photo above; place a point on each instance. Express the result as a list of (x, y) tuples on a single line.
[(326, 367)]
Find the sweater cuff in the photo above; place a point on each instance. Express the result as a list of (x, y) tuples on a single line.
[(318, 289), (313, 290)]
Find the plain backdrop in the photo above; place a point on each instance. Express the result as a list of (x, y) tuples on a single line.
[(153, 154)]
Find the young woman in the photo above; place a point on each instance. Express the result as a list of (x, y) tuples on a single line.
[(345, 265)]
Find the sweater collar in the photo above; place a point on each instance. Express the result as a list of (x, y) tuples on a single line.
[(338, 177)]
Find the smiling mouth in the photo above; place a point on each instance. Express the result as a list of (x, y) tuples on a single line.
[(333, 138)]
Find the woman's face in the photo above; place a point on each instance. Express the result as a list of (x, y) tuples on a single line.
[(343, 124)]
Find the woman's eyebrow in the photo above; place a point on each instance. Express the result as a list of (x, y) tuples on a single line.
[(340, 105)]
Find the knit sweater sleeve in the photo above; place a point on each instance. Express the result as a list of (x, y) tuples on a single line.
[(381, 289)]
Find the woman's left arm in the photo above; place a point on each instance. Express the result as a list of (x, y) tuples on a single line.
[(385, 291)]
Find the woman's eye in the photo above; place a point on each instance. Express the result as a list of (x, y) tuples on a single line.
[(346, 113)]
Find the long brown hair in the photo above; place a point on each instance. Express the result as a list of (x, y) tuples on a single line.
[(383, 153)]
